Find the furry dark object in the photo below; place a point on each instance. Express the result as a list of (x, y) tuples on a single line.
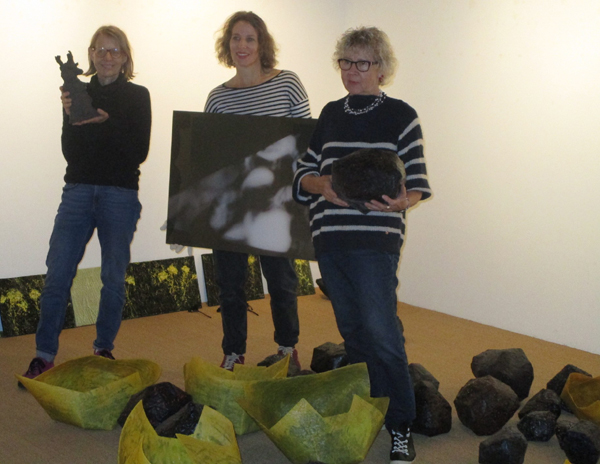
[(366, 175)]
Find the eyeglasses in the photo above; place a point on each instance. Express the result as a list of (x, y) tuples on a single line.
[(101, 52), (362, 66)]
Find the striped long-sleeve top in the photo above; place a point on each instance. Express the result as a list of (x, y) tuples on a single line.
[(283, 95), (393, 125)]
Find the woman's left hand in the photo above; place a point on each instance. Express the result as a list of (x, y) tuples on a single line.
[(391, 205), (102, 116)]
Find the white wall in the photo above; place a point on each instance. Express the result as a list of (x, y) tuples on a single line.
[(508, 97)]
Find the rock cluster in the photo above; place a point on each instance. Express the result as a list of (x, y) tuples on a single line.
[(169, 409)]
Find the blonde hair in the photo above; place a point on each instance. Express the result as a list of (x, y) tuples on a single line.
[(118, 35), (266, 44), (371, 39)]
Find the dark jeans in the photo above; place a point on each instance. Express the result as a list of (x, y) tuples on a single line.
[(362, 287), (114, 212), (231, 269)]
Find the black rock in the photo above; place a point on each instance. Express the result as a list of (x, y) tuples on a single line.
[(160, 401), (557, 383), (183, 421), (434, 413), (510, 366), (366, 175), (581, 443), (293, 370), (544, 400), (563, 425), (507, 446), (538, 425), (419, 374), (485, 405), (328, 356)]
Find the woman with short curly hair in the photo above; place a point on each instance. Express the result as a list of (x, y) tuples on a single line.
[(358, 253)]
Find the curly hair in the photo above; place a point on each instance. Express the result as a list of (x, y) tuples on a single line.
[(371, 39), (266, 44), (118, 35)]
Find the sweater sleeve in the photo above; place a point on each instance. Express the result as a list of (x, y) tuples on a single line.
[(300, 107), (309, 164), (410, 150), (136, 127)]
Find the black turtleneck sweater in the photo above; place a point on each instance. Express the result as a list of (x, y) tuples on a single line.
[(111, 152)]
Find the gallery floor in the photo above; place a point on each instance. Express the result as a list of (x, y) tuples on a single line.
[(445, 345)]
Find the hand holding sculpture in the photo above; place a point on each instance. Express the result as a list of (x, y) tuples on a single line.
[(79, 108)]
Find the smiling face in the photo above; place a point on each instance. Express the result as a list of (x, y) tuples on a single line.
[(243, 45), (361, 83), (108, 67)]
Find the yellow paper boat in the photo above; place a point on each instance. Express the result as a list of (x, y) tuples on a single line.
[(213, 441), (219, 388), (91, 392), (328, 417), (582, 394)]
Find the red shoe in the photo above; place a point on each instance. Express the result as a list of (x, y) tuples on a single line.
[(229, 360), (293, 352), (104, 353), (37, 366)]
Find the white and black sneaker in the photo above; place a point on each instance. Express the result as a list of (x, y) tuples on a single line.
[(403, 449)]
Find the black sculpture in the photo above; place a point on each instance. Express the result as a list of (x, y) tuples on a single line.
[(81, 102)]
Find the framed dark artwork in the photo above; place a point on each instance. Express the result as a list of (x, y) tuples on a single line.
[(20, 305), (231, 184), (162, 286), (254, 286), (305, 280)]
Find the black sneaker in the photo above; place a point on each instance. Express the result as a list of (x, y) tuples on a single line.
[(403, 449)]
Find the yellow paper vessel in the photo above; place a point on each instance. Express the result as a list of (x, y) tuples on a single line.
[(582, 394), (328, 417), (211, 385), (91, 392), (213, 442)]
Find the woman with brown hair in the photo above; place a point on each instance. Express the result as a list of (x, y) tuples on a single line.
[(258, 89)]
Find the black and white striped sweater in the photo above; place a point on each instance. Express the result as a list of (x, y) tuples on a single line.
[(393, 125)]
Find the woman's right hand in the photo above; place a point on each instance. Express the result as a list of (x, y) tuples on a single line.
[(322, 185), (67, 102)]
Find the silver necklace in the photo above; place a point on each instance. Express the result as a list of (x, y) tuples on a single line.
[(378, 101)]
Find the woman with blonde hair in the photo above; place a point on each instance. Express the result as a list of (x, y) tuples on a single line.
[(358, 253), (103, 155)]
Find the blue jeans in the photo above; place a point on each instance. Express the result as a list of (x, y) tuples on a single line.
[(231, 269), (114, 212), (362, 287)]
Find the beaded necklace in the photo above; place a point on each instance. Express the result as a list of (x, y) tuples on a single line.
[(378, 101)]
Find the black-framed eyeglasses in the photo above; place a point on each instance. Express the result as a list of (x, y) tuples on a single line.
[(101, 52), (362, 65)]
